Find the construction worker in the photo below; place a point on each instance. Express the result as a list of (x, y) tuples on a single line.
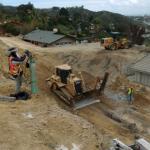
[(130, 95), (15, 61)]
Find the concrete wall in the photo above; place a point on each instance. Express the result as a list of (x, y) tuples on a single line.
[(142, 78)]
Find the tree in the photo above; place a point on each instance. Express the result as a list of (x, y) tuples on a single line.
[(137, 34), (55, 9), (64, 12), (10, 28), (63, 16), (26, 12)]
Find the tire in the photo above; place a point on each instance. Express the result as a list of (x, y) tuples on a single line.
[(113, 47), (22, 96), (106, 48)]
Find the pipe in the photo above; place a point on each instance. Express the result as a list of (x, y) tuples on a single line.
[(34, 88), (3, 98)]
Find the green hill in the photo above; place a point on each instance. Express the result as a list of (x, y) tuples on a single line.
[(74, 20)]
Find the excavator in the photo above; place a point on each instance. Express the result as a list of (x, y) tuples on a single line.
[(77, 91), (115, 42)]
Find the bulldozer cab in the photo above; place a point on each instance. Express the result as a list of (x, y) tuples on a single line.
[(63, 71), (106, 42), (72, 82)]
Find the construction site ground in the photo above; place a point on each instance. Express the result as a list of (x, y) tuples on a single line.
[(46, 123)]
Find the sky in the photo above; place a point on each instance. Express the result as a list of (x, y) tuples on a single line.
[(126, 7)]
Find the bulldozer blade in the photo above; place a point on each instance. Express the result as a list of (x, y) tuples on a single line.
[(85, 102)]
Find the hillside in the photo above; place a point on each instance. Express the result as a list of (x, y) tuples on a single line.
[(74, 20)]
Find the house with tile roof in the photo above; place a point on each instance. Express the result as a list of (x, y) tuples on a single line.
[(48, 38)]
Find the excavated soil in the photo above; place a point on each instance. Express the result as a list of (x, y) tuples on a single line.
[(44, 122)]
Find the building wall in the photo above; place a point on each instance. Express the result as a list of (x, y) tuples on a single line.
[(63, 41), (142, 78)]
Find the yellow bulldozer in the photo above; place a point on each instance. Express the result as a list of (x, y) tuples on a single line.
[(79, 90), (115, 42)]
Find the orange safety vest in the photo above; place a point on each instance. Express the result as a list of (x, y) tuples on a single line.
[(14, 69)]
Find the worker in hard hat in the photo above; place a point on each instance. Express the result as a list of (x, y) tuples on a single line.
[(15, 61), (130, 95)]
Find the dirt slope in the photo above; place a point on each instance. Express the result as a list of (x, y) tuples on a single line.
[(40, 123), (47, 122)]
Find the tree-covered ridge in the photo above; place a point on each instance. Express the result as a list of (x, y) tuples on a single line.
[(74, 20)]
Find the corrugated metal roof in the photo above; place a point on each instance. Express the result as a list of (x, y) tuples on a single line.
[(142, 65), (42, 36)]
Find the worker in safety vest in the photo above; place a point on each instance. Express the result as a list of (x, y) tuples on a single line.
[(130, 95), (15, 61)]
